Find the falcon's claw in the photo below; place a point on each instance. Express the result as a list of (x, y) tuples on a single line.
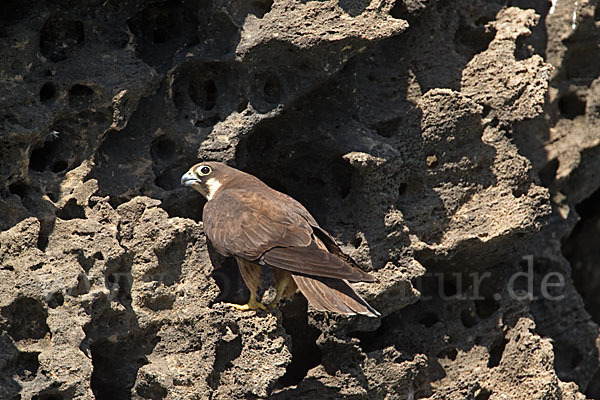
[(252, 304), (247, 306)]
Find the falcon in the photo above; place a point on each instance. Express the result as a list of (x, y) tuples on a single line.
[(278, 245)]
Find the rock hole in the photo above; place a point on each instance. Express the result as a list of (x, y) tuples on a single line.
[(116, 201), (170, 259), (575, 359), (261, 7), (55, 300), (162, 28), (473, 39), (13, 10), (47, 92), (567, 357), (342, 176), (449, 287), (204, 94), (429, 319), (353, 7), (402, 189), (82, 287), (71, 210), (59, 36), (547, 173), (305, 352), (242, 105), (179, 101), (42, 159), (228, 349), (227, 277), (169, 179), (80, 96), (399, 11), (38, 160), (188, 205), (52, 196), (59, 166), (357, 242), (593, 389), (26, 365), (19, 188), (47, 396), (496, 353), (261, 142), (119, 279), (388, 128), (582, 250), (98, 255), (449, 353), (207, 122), (375, 340), (486, 307), (159, 35), (581, 62), (571, 105), (116, 362), (26, 318), (151, 390), (523, 48), (46, 227), (483, 394), (520, 191), (86, 262), (36, 266), (468, 317), (272, 90), (486, 110), (163, 149)]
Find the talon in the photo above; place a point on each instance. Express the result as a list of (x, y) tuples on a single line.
[(252, 304)]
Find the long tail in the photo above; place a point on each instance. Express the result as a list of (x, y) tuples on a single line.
[(330, 294)]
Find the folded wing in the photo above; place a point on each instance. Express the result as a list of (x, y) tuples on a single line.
[(276, 231), (312, 260), (327, 294)]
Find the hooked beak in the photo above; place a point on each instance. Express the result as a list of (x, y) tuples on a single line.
[(188, 179)]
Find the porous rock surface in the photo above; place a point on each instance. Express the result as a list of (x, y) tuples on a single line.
[(450, 147)]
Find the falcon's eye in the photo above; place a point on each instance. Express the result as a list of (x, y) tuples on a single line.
[(204, 170)]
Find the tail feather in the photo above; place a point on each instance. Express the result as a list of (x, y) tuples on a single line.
[(329, 294)]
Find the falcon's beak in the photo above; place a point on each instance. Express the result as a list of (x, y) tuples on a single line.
[(189, 179)]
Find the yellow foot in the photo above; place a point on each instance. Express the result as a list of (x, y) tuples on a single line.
[(251, 305)]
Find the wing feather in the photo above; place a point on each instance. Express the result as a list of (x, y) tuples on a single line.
[(248, 223), (312, 260), (326, 294), (266, 226)]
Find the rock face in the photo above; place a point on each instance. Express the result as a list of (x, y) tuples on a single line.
[(452, 148)]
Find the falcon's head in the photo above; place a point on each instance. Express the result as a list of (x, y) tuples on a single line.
[(207, 177)]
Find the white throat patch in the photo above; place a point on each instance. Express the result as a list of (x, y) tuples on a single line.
[(213, 185)]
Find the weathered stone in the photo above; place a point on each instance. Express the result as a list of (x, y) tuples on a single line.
[(450, 148)]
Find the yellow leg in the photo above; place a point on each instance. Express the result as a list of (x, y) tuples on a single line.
[(280, 286), (252, 304)]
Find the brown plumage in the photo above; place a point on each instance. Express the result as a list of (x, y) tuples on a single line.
[(262, 227)]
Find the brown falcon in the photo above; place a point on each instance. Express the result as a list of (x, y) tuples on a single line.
[(266, 230)]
